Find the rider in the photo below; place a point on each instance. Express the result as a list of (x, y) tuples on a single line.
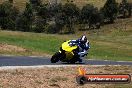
[(83, 44)]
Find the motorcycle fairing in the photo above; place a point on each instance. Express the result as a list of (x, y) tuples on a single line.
[(67, 47)]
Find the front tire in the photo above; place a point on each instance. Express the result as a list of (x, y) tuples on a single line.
[(55, 57)]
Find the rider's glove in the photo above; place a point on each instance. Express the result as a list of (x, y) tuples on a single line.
[(72, 44)]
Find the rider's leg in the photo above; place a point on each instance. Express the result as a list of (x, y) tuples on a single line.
[(77, 56)]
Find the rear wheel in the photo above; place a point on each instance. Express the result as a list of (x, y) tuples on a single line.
[(55, 57)]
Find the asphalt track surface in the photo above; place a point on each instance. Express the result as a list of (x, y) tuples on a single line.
[(35, 61)]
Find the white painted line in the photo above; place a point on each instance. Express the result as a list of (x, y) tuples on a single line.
[(6, 55), (35, 56), (49, 66), (34, 67), (47, 56), (108, 60)]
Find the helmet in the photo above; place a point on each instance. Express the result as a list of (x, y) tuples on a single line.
[(83, 39)]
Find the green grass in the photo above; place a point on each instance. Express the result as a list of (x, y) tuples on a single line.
[(110, 46), (110, 51), (112, 42), (36, 42)]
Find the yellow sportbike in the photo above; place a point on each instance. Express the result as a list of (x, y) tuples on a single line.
[(66, 53)]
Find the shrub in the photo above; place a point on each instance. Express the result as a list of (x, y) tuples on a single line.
[(36, 2), (125, 9), (110, 10), (25, 19), (39, 26), (71, 14), (51, 29), (91, 16), (8, 15)]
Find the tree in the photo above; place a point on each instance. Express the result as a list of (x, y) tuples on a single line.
[(110, 10), (60, 21), (55, 9), (125, 9), (8, 14), (41, 19), (91, 16), (25, 19), (28, 11), (71, 12), (36, 2), (43, 12), (39, 25), (95, 19), (86, 13), (11, 1)]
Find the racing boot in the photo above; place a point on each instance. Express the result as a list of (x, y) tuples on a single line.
[(77, 57)]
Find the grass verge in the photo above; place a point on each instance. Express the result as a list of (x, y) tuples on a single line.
[(115, 45)]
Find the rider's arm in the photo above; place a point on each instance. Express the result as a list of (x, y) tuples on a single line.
[(73, 42), (87, 45), (83, 53), (85, 49)]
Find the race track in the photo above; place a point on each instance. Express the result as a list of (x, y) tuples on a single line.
[(35, 61)]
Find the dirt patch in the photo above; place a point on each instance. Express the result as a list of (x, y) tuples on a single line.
[(63, 77), (7, 49), (11, 48)]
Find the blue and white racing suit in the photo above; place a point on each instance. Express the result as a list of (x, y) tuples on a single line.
[(83, 48)]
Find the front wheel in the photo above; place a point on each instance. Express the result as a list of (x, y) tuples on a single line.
[(55, 57)]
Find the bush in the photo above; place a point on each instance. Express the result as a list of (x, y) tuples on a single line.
[(22, 23), (25, 19), (125, 9), (11, 1), (91, 16), (39, 26), (3, 22), (51, 29), (95, 20), (36, 2), (55, 9), (8, 15), (71, 14), (60, 21), (110, 10), (86, 13), (43, 12)]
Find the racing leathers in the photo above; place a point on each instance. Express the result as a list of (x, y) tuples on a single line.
[(83, 47)]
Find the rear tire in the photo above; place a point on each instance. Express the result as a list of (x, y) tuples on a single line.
[(55, 57)]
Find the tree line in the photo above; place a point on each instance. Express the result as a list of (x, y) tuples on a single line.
[(58, 18)]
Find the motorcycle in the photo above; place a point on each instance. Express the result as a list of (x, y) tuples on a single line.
[(67, 53)]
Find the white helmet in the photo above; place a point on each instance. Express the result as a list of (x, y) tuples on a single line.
[(83, 39)]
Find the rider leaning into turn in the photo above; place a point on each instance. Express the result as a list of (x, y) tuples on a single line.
[(83, 44)]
